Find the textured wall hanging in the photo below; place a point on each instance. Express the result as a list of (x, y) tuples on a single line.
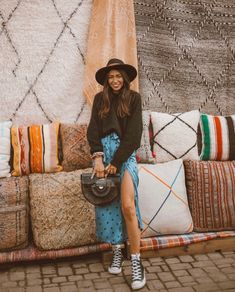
[(42, 57), (186, 55)]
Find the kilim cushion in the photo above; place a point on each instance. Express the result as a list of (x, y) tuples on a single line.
[(175, 135), (211, 194), (14, 213), (61, 217), (5, 148), (75, 147), (163, 199), (218, 137), (35, 149), (144, 153)]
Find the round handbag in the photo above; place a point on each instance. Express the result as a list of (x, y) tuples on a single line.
[(100, 191)]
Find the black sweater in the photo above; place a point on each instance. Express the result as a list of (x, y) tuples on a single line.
[(129, 128)]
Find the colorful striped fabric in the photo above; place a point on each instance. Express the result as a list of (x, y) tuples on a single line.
[(160, 242), (31, 253), (5, 148), (35, 149), (218, 137), (211, 194)]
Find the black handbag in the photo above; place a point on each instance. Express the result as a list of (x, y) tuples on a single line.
[(100, 191)]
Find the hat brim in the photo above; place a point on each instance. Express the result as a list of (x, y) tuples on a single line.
[(129, 69)]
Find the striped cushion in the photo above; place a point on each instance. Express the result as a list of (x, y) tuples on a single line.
[(5, 148), (218, 137), (211, 194), (35, 149)]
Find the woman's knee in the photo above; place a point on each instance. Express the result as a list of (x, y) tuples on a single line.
[(128, 210)]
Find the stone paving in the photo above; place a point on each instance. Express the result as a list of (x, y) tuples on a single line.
[(200, 273)]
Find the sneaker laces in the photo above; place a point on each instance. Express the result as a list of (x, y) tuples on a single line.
[(117, 257), (136, 269)]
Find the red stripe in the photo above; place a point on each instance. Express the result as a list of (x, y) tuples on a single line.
[(218, 137)]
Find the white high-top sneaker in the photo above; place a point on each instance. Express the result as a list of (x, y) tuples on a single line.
[(138, 273), (116, 266)]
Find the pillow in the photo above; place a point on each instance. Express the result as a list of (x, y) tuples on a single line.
[(163, 199), (218, 137), (35, 149), (175, 135), (5, 148), (144, 153), (14, 213), (211, 194), (60, 215), (75, 147)]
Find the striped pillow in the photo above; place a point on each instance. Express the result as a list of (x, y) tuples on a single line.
[(35, 149), (5, 148), (211, 194), (218, 137)]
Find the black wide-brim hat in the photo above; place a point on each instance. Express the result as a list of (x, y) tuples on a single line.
[(115, 64)]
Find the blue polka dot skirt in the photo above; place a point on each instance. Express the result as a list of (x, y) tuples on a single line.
[(110, 224)]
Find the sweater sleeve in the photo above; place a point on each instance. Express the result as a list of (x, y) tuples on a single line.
[(93, 130), (132, 136)]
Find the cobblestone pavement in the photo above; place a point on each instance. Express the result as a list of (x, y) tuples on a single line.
[(200, 273)]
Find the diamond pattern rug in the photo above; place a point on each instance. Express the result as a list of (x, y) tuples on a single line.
[(186, 54), (42, 48)]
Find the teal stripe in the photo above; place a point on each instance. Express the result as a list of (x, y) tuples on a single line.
[(206, 138)]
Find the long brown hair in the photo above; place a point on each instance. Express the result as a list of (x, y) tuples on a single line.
[(124, 98)]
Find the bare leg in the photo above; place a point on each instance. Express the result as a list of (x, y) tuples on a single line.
[(129, 213)]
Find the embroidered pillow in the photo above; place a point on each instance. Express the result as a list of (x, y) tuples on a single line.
[(163, 199), (35, 149), (211, 194), (175, 135), (60, 215), (14, 213), (5, 148), (144, 153), (75, 147), (218, 137)]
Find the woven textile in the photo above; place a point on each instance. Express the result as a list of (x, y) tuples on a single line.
[(14, 213), (175, 135), (5, 148), (218, 137), (186, 53), (42, 57), (211, 194), (35, 149), (61, 217), (31, 253), (144, 153), (111, 35), (163, 199), (75, 147), (167, 241)]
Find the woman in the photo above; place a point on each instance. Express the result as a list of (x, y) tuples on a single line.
[(114, 133)]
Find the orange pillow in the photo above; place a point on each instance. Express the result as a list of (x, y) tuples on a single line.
[(35, 149)]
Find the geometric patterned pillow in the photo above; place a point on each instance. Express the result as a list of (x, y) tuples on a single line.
[(35, 149), (5, 148), (175, 135), (163, 199), (211, 194), (144, 153), (218, 137), (75, 147)]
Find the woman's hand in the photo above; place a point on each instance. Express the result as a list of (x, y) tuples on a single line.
[(99, 169), (110, 169)]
